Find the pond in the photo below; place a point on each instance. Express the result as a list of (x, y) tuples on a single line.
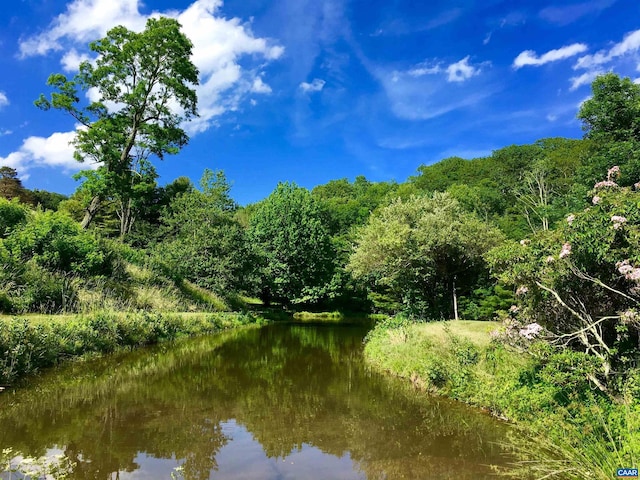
[(285, 401)]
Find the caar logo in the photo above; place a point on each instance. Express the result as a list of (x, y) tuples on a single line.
[(627, 473)]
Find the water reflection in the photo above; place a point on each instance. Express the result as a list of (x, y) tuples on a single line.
[(284, 401)]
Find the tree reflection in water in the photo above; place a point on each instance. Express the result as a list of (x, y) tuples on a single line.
[(299, 392)]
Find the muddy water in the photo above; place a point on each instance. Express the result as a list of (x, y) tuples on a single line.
[(286, 401)]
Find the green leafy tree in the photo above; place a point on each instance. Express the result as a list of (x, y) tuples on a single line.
[(11, 186), (203, 242), (611, 121), (425, 251), (46, 200), (139, 79), (290, 233)]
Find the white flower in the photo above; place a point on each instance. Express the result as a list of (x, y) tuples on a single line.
[(633, 274), (614, 172), (618, 221), (605, 183), (522, 290), (566, 250), (525, 242), (531, 331), (550, 259), (571, 218), (596, 200), (629, 316)]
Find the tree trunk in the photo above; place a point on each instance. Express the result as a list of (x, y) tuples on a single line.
[(126, 217), (455, 301), (90, 212)]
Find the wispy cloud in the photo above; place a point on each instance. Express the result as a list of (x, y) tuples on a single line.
[(4, 101), (629, 44), (315, 86), (426, 68), (584, 79), (410, 26), (565, 14), (230, 58), (455, 72), (529, 57)]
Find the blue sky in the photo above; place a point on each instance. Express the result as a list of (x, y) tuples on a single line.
[(314, 90)]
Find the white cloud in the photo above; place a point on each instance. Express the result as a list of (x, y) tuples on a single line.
[(260, 87), (422, 98), (84, 21), (315, 86), (529, 57), (423, 69), (53, 151), (4, 101), (72, 59), (230, 58), (461, 71), (584, 79), (629, 44)]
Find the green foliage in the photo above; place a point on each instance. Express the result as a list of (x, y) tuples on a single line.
[(350, 204), (145, 75), (12, 214), (290, 234), (204, 243), (420, 250), (27, 346), (568, 427), (46, 200), (56, 242), (486, 303), (611, 122), (581, 281), (11, 186)]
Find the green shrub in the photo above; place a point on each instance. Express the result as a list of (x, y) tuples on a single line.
[(45, 292), (12, 214), (57, 243)]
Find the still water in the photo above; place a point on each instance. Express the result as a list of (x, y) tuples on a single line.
[(286, 401)]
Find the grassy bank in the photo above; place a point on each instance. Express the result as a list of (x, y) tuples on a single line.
[(31, 343), (573, 430)]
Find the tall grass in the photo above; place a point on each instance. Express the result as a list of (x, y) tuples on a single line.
[(567, 430), (28, 345)]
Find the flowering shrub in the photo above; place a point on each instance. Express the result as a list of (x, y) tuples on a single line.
[(582, 281)]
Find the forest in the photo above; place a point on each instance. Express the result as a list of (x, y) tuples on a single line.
[(543, 237)]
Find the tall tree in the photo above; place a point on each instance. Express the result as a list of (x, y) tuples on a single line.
[(204, 243), (425, 251), (139, 82), (290, 232), (611, 121), (11, 186)]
